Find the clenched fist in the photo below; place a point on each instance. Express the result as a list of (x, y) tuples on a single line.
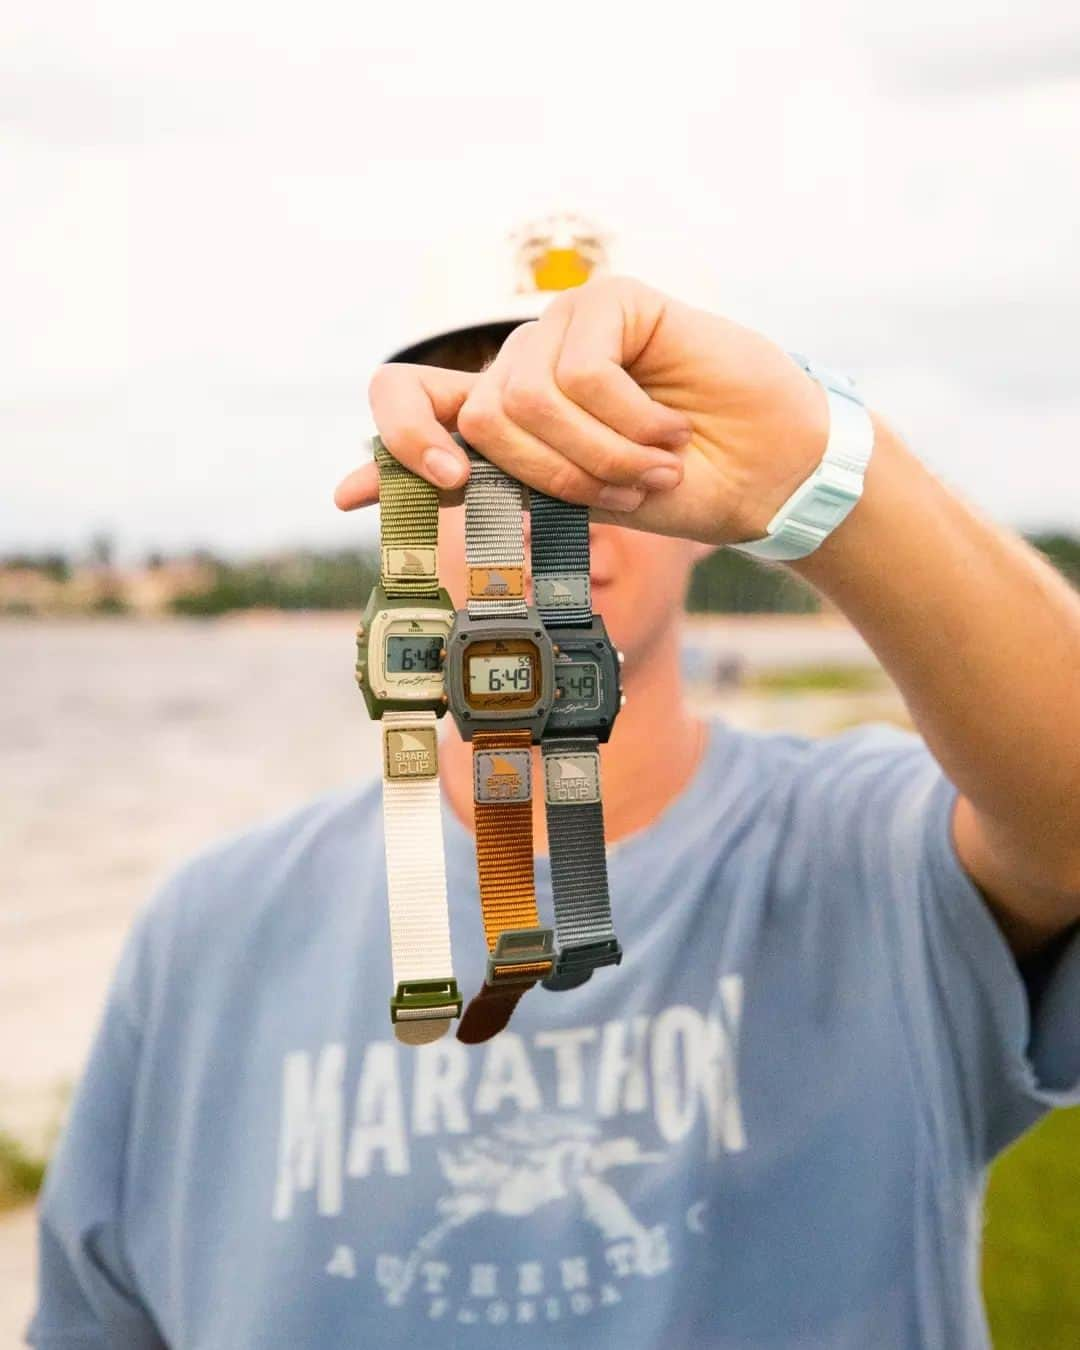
[(653, 413)]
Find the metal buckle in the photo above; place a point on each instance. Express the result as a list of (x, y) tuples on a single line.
[(422, 1000), (515, 948)]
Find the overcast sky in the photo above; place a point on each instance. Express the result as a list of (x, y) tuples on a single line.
[(216, 218)]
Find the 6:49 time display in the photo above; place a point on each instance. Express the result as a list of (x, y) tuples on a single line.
[(494, 674)]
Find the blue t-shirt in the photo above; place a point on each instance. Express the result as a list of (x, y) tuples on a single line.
[(767, 1128)]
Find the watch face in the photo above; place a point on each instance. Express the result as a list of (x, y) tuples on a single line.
[(400, 650), (587, 680), (502, 673), (499, 674)]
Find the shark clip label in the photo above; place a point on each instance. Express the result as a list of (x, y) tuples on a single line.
[(566, 590), (410, 753), (414, 563), (502, 776), (496, 583), (572, 779)]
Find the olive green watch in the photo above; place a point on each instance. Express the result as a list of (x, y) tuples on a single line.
[(400, 650)]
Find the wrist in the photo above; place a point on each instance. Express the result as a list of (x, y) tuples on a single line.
[(830, 489), (872, 520)]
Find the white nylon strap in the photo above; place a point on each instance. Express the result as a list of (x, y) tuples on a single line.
[(415, 868)]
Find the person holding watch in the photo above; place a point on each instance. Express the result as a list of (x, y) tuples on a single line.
[(851, 966)]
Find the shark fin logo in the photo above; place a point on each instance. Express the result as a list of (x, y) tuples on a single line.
[(568, 769), (412, 565)]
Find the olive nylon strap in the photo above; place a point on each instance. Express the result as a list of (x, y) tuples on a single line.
[(408, 528), (584, 929)]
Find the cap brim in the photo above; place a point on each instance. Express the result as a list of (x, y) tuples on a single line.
[(521, 309), (499, 328)]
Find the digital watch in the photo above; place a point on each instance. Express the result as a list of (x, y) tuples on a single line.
[(588, 698), (399, 668), (500, 684)]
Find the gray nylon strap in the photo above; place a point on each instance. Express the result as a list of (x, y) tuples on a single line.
[(494, 543), (560, 560), (584, 930), (578, 865)]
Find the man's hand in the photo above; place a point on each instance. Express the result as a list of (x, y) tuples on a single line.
[(655, 414)]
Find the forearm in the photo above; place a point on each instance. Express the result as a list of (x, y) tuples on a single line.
[(983, 640)]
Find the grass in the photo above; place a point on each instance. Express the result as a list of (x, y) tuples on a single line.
[(817, 680), (21, 1173), (1031, 1248)]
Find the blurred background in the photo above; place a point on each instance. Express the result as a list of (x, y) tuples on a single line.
[(218, 218)]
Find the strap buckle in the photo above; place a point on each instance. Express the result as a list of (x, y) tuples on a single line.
[(588, 955), (521, 956), (422, 1000), (575, 964)]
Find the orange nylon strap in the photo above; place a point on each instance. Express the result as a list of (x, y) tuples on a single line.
[(504, 854), (502, 790)]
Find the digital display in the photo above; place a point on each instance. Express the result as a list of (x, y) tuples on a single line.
[(579, 681), (501, 674), (413, 654)]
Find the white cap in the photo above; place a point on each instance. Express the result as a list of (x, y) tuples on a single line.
[(468, 281)]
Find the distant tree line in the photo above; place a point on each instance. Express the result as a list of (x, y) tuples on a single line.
[(304, 580), (725, 582), (55, 566)]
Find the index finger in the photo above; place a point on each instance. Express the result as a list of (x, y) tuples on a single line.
[(412, 407), (598, 339)]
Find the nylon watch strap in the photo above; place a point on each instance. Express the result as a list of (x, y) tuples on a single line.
[(408, 528), (494, 543), (426, 995), (559, 552), (584, 929), (519, 948)]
